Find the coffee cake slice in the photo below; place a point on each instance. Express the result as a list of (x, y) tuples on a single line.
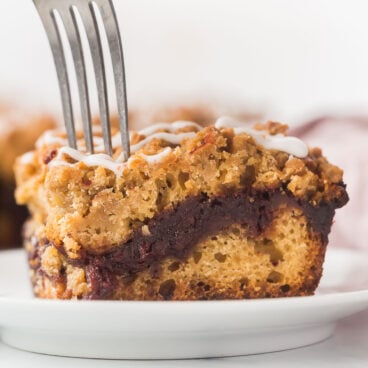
[(222, 212)]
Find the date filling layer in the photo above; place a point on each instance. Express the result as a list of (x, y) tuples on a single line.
[(175, 232)]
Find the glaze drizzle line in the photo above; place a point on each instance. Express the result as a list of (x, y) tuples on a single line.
[(290, 145)]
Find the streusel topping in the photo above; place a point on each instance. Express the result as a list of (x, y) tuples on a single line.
[(96, 201)]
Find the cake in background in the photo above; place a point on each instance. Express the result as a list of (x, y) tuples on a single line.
[(18, 132)]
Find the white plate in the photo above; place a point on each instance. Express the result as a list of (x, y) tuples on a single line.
[(168, 330)]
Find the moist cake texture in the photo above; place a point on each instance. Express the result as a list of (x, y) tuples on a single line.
[(222, 212)]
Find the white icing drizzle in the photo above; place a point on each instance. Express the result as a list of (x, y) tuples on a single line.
[(100, 159), (290, 145), (154, 159), (171, 127), (167, 137), (50, 136), (97, 159)]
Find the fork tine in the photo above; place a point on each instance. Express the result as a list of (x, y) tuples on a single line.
[(64, 15), (88, 17), (50, 24), (68, 16), (116, 50)]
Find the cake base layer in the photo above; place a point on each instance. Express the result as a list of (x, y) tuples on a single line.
[(243, 245)]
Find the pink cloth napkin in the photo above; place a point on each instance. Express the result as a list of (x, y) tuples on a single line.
[(344, 141)]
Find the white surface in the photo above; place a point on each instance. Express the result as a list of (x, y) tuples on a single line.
[(293, 58), (178, 329)]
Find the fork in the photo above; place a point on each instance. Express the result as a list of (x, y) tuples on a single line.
[(72, 15)]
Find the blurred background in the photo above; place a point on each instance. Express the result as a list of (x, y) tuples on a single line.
[(293, 59), (302, 62)]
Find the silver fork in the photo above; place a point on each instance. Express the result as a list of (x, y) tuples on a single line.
[(65, 13)]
